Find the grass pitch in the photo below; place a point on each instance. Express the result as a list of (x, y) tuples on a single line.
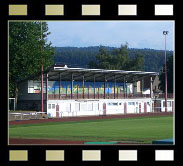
[(139, 130)]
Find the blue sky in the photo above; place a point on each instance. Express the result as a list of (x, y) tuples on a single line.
[(138, 34)]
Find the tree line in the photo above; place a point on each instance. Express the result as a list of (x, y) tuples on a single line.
[(82, 56)]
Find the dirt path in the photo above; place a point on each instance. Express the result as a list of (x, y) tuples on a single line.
[(67, 119), (18, 141)]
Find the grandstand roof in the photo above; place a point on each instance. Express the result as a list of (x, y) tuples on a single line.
[(100, 74)]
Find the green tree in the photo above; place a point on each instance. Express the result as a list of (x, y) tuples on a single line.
[(103, 58), (137, 63), (119, 59), (25, 55), (169, 76)]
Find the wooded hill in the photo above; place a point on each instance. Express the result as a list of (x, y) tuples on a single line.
[(81, 56)]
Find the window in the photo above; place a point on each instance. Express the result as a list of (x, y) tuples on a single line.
[(49, 106), (168, 103), (34, 86), (111, 104), (131, 103), (53, 106)]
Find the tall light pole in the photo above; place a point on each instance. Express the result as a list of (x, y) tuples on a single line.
[(41, 72), (165, 33)]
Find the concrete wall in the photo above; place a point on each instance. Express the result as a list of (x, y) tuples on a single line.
[(31, 105), (138, 86)]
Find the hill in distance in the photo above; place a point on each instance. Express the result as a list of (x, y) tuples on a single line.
[(81, 56)]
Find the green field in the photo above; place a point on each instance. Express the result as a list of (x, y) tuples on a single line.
[(140, 130)]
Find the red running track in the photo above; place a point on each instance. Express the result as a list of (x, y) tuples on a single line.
[(68, 119)]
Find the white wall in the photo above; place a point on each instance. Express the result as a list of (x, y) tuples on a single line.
[(95, 107), (169, 105)]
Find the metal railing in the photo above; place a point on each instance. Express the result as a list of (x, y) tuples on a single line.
[(106, 96), (96, 96), (162, 95)]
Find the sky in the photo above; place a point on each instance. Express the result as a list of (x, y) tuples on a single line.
[(138, 34)]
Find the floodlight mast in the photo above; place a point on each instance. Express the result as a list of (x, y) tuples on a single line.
[(41, 72), (165, 33)]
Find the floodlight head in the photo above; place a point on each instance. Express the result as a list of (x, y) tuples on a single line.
[(165, 32)]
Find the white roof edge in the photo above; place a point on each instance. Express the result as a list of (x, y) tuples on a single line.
[(105, 70)]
